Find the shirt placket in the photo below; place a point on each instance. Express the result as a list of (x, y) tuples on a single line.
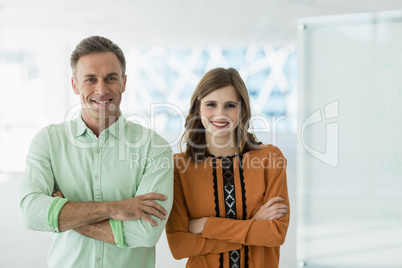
[(98, 149)]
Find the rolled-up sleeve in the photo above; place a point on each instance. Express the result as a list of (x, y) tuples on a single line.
[(157, 178), (117, 229), (38, 210)]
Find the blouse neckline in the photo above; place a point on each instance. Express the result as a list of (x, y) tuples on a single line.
[(223, 157)]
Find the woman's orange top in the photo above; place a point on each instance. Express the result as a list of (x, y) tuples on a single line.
[(205, 189)]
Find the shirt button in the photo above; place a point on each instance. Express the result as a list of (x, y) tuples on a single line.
[(98, 259), (96, 177), (97, 150)]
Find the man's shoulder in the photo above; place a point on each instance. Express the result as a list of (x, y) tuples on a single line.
[(136, 128), (49, 136), (137, 131), (53, 129), (59, 126)]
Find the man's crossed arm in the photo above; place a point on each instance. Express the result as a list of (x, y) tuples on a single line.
[(92, 218)]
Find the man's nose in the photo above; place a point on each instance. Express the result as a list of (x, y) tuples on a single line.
[(102, 88)]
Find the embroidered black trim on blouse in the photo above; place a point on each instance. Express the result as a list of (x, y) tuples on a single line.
[(215, 179), (243, 188), (246, 256), (229, 191), (243, 196), (215, 187), (229, 195)]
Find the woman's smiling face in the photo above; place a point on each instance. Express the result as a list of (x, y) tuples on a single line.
[(220, 111)]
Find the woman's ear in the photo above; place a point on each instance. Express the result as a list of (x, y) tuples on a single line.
[(197, 104), (195, 108)]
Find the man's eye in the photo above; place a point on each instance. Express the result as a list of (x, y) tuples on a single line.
[(111, 78), (90, 80)]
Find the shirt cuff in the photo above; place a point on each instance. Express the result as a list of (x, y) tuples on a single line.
[(53, 213), (117, 229)]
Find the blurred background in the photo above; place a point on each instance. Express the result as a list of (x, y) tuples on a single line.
[(292, 67)]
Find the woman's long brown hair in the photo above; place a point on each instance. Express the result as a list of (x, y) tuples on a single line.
[(194, 134)]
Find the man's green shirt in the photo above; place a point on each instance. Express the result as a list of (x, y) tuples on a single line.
[(126, 160)]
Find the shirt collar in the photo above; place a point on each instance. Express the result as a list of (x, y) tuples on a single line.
[(81, 126), (117, 129)]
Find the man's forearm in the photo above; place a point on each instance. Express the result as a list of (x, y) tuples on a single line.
[(74, 215), (100, 231)]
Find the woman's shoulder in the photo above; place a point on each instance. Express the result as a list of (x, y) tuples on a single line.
[(182, 162), (266, 156), (264, 150), (179, 155)]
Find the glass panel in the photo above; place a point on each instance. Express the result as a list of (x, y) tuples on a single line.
[(350, 146)]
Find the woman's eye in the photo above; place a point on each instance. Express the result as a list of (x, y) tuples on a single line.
[(230, 106), (211, 104)]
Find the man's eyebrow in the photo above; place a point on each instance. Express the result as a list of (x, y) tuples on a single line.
[(111, 74), (94, 75), (89, 75)]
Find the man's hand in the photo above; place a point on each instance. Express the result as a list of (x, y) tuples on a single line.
[(196, 226), (271, 210), (140, 207), (58, 193)]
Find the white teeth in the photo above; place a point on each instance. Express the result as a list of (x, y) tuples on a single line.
[(102, 102), (220, 124)]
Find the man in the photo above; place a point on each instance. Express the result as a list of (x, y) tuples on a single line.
[(101, 184)]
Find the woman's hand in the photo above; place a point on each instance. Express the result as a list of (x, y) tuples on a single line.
[(271, 210), (196, 226)]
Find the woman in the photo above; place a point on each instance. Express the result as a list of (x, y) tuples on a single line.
[(230, 195)]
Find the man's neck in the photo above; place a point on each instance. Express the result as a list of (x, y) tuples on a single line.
[(98, 125)]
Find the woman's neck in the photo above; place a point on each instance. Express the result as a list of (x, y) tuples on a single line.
[(222, 147)]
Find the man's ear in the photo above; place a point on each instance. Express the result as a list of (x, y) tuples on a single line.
[(124, 83), (74, 85)]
